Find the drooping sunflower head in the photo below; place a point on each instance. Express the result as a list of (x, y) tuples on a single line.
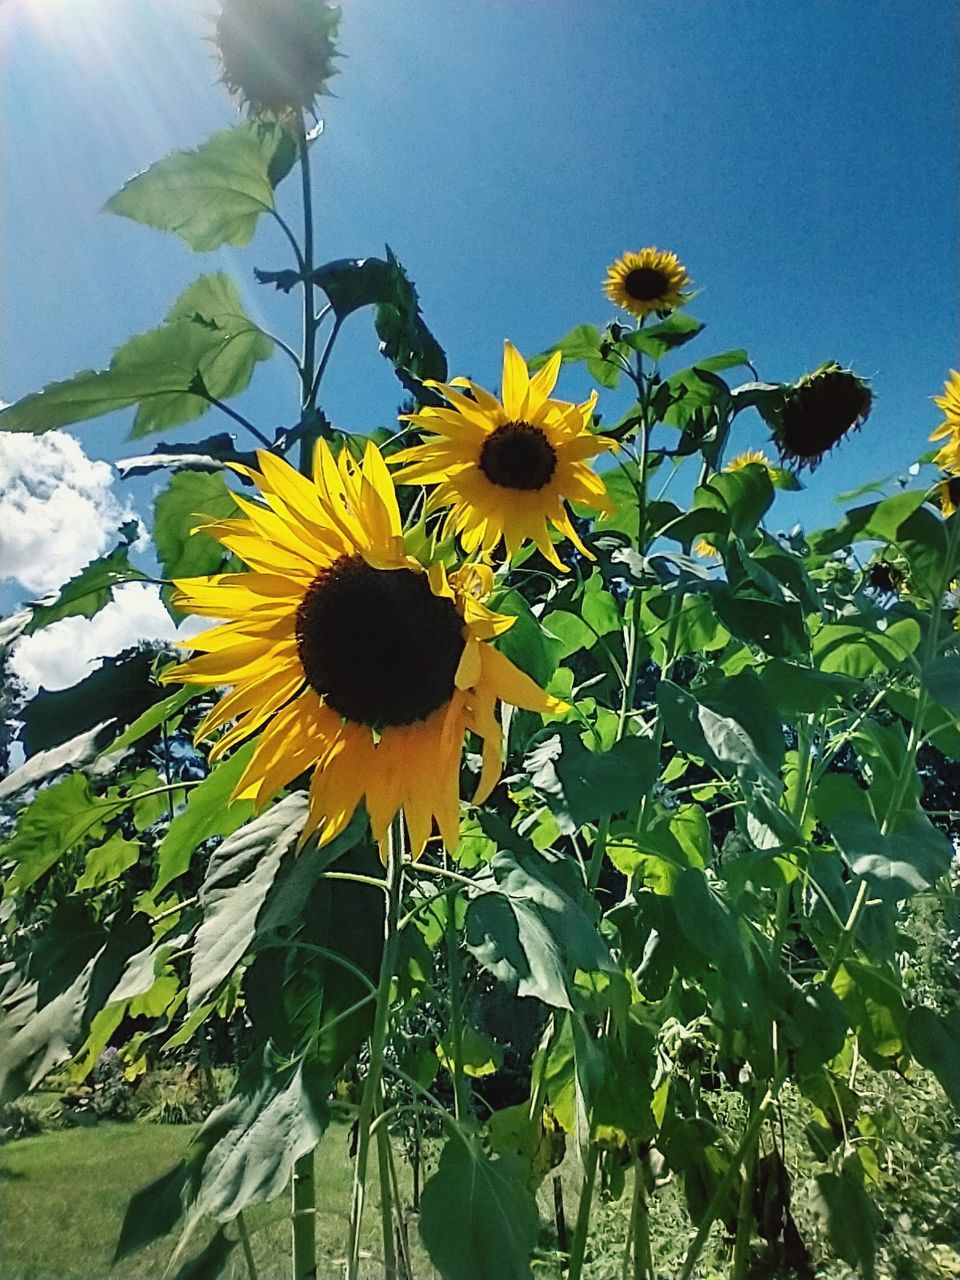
[(949, 430), (276, 56), (818, 411), (949, 493), (346, 656), (506, 468), (885, 578), (649, 280)]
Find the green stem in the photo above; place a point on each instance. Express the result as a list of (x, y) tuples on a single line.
[(599, 850), (741, 1244), (454, 979), (747, 1143), (386, 1202), (583, 1215), (309, 323), (378, 1040), (642, 1259), (304, 1219), (245, 1244)]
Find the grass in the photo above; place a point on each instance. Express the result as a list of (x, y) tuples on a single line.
[(63, 1195)]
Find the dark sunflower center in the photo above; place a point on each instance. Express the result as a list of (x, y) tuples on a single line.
[(518, 456), (953, 489), (377, 644), (643, 284)]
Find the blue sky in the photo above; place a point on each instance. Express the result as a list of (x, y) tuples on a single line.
[(799, 155)]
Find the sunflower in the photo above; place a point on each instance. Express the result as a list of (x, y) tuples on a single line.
[(505, 467), (949, 492), (748, 458), (818, 411), (949, 456), (276, 56), (347, 656), (651, 280), (706, 550)]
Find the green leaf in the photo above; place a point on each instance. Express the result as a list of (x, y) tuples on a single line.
[(526, 643), (744, 496), (214, 195), (107, 862), (941, 679), (906, 860), (478, 1218), (657, 339), (529, 932), (801, 690), (209, 812), (56, 820), (121, 688), (153, 718), (934, 1041), (705, 920), (581, 343), (849, 1217), (88, 592), (858, 651), (45, 764), (239, 876), (207, 346), (482, 1056), (190, 500), (583, 786), (245, 1152)]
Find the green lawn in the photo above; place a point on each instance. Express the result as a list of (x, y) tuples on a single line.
[(62, 1198)]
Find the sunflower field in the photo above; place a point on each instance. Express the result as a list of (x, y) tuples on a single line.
[(518, 796)]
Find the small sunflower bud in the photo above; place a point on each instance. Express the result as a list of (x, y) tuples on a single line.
[(277, 55), (818, 411)]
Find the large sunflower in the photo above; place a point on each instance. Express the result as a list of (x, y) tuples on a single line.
[(348, 657), (949, 430), (650, 280), (818, 411), (506, 467)]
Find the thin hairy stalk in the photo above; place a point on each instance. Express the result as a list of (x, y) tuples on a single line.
[(245, 1245), (454, 978), (386, 1202), (378, 1040), (303, 1219), (237, 417), (581, 1230), (745, 1223)]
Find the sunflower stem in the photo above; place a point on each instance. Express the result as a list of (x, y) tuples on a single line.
[(386, 1200), (303, 1218), (456, 1010), (378, 1039), (581, 1230)]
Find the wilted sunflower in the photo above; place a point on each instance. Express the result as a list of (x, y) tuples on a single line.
[(506, 469), (346, 655), (949, 456), (277, 55), (949, 491), (818, 411), (651, 280)]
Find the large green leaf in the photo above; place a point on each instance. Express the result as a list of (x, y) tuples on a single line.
[(120, 689), (855, 650), (206, 347), (57, 819), (45, 764), (583, 786), (214, 195), (245, 1152), (478, 1218), (934, 1040), (581, 343), (657, 339), (905, 860), (530, 932), (209, 812), (849, 1218), (239, 876), (89, 591)]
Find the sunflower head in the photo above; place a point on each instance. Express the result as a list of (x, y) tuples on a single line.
[(818, 411), (506, 467), (885, 578), (347, 657), (649, 280), (949, 430), (706, 550), (948, 491), (276, 56)]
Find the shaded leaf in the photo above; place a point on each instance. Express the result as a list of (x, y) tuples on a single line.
[(849, 1217), (489, 1204), (934, 1040), (121, 689), (45, 764), (57, 819), (190, 500), (583, 786)]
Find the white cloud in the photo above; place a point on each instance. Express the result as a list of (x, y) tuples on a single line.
[(58, 510), (67, 651)]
